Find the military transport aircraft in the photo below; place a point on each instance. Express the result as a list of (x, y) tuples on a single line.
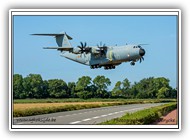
[(97, 56)]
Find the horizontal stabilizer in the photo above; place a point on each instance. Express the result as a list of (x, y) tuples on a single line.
[(60, 34), (59, 48)]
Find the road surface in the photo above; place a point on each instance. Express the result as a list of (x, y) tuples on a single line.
[(84, 116)]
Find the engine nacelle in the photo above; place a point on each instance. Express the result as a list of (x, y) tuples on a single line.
[(96, 50), (76, 50)]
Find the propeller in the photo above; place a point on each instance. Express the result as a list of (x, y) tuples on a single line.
[(84, 48), (104, 45), (141, 53), (142, 58), (102, 48)]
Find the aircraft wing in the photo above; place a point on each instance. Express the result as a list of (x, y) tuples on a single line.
[(104, 47), (60, 48)]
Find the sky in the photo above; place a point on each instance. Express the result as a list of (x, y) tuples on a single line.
[(159, 32)]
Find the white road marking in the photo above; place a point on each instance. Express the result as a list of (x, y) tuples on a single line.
[(75, 122), (85, 112), (104, 115), (96, 117), (101, 116), (86, 120), (19, 123)]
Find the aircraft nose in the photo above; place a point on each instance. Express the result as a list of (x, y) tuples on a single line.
[(141, 52)]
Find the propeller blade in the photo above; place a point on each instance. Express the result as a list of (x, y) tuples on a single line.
[(140, 60), (143, 58), (81, 44), (85, 44), (142, 44)]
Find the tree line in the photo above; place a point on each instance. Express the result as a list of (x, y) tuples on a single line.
[(33, 86)]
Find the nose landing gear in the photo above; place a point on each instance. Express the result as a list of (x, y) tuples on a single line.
[(132, 63)]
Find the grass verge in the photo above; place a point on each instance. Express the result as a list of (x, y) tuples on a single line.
[(143, 117), (29, 111), (44, 106), (51, 100)]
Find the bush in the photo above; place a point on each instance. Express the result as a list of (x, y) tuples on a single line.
[(146, 116)]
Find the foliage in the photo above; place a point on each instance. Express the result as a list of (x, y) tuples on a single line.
[(57, 88), (17, 86), (33, 86), (83, 83), (101, 83), (146, 116)]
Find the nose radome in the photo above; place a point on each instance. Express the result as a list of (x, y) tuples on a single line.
[(141, 52)]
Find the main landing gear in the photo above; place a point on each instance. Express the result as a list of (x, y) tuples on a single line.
[(105, 67), (109, 67), (95, 66)]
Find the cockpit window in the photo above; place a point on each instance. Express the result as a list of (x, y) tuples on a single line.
[(139, 47)]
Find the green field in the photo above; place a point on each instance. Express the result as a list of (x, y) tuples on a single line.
[(49, 100)]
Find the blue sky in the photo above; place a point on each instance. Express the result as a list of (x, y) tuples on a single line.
[(157, 31)]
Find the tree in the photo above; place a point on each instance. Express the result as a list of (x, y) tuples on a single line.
[(83, 87), (117, 91), (153, 88), (101, 84), (17, 86), (71, 90), (45, 93), (162, 87), (173, 93), (83, 83), (57, 88), (126, 88), (133, 90), (162, 93), (33, 86), (84, 94)]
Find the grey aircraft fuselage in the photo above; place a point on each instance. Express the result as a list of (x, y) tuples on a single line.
[(95, 56)]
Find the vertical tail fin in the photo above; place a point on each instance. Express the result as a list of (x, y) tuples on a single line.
[(62, 39)]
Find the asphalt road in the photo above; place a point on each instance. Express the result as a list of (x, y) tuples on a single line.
[(84, 116)]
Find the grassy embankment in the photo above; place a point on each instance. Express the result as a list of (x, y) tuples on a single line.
[(143, 117), (49, 100), (29, 107)]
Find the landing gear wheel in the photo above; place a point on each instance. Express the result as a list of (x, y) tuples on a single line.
[(105, 68), (132, 63), (92, 67), (95, 66)]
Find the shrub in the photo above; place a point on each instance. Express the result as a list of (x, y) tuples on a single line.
[(146, 116)]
